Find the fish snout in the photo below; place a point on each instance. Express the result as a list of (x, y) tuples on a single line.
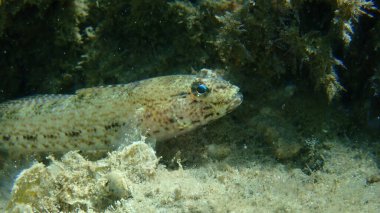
[(236, 100)]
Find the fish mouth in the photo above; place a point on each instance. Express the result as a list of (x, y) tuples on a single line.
[(237, 99)]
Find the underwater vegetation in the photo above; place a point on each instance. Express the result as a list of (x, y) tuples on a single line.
[(92, 43), (131, 180), (40, 41), (76, 183)]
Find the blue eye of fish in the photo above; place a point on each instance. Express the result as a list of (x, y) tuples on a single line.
[(202, 88), (199, 89)]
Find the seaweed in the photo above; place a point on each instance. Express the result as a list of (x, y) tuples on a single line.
[(40, 44), (74, 183)]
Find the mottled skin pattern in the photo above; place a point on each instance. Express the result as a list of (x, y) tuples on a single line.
[(97, 118)]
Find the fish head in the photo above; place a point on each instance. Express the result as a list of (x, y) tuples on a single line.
[(189, 101)]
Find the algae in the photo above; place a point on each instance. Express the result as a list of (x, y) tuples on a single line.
[(36, 36), (74, 183), (130, 180)]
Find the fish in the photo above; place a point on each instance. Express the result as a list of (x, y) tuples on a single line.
[(98, 118)]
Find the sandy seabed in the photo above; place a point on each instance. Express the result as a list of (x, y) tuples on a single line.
[(132, 180)]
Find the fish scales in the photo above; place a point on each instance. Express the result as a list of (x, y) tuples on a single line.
[(97, 118)]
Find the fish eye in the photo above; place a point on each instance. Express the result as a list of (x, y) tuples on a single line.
[(202, 88), (199, 89)]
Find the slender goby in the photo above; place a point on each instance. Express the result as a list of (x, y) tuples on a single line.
[(96, 118)]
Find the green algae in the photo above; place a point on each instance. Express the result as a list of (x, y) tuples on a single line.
[(40, 44), (272, 40)]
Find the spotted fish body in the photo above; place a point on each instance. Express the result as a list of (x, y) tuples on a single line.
[(97, 118)]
